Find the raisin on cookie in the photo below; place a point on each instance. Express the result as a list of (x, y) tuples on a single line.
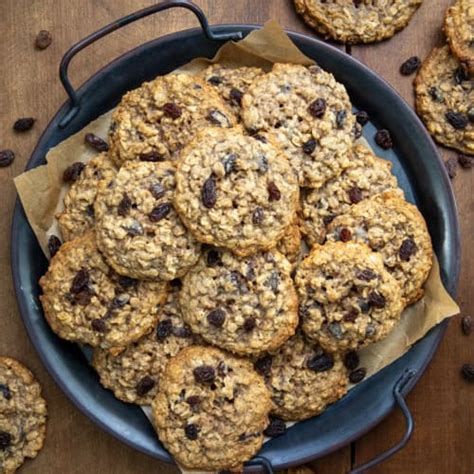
[(211, 409)]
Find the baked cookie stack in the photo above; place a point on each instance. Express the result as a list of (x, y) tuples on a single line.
[(229, 254)]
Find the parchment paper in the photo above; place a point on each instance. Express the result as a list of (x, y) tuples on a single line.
[(41, 191)]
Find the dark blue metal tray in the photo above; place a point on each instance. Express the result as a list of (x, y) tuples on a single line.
[(419, 170)]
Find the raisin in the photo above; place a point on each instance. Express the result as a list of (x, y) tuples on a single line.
[(230, 163), (204, 374), (90, 210), (263, 164), (218, 118), (80, 281), (466, 325), (53, 245), (164, 329), (364, 305), (436, 94), (249, 324), (72, 172), (124, 206), (83, 298), (376, 300), (235, 96), (467, 371), (357, 130), (362, 117), (159, 212), (383, 139), (309, 146), (191, 431), (216, 317), (274, 193), (355, 194), (457, 120), (357, 3), (263, 365), (152, 156), (340, 118), (24, 124), (335, 330), (351, 315), (5, 391), (43, 39), (410, 66), (213, 258), (351, 360), (119, 301), (96, 142), (215, 80), (5, 440), (144, 385), (250, 273), (157, 190), (277, 427), (407, 249), (460, 75), (465, 161), (98, 325), (317, 108), (183, 332), (208, 192), (126, 282), (451, 166), (328, 219), (321, 362), (172, 110), (365, 275), (134, 229), (358, 375), (260, 138), (6, 157), (193, 401), (257, 216), (176, 283), (345, 234)]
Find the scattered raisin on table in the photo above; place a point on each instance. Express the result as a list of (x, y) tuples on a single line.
[(72, 172), (466, 161), (96, 142), (467, 325), (383, 139), (53, 245), (277, 427), (43, 39), (362, 117), (451, 165), (467, 371), (6, 157), (358, 375), (24, 124), (410, 66)]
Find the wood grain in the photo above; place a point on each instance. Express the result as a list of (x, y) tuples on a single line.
[(442, 403)]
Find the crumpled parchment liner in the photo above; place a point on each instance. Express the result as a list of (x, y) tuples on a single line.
[(41, 191)]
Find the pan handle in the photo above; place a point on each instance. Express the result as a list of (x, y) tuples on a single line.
[(74, 102), (263, 463), (398, 392)]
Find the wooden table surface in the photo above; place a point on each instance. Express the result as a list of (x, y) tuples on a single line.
[(442, 403)]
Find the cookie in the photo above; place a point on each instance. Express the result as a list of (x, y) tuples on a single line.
[(243, 304), (357, 21), (85, 301), (459, 30), (78, 214), (231, 83), (290, 244), (347, 299), (153, 122), (211, 409), (367, 176), (445, 100), (134, 375), (138, 229), (310, 114), (22, 415), (235, 191), (396, 229), (303, 378)]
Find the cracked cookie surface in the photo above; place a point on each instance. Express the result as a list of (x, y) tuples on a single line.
[(357, 21), (367, 176), (235, 191), (206, 410), (85, 301), (153, 122), (347, 299), (243, 304), (138, 229), (22, 415), (444, 99), (309, 113), (396, 229)]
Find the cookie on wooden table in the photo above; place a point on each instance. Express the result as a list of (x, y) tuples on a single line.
[(235, 191), (211, 409), (357, 21), (303, 378), (367, 176), (153, 122), (78, 214), (396, 230), (310, 114), (138, 229), (347, 299), (243, 304), (85, 301), (459, 30), (445, 100), (22, 415)]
